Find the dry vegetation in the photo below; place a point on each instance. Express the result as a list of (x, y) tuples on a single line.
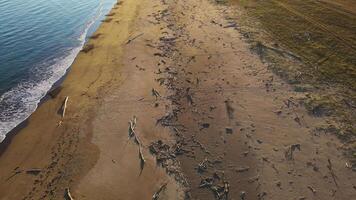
[(312, 45)]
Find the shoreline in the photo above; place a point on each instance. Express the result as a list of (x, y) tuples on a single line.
[(159, 107), (63, 63), (37, 136)]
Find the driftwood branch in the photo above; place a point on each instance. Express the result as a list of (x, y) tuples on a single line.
[(68, 196), (158, 193), (64, 107), (142, 158), (134, 38), (155, 93), (132, 126)]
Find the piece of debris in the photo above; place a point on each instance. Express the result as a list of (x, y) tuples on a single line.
[(33, 171), (190, 99), (253, 179), (231, 25), (228, 130), (64, 106), (242, 195), (229, 109), (290, 151), (142, 158), (95, 36), (297, 119), (67, 195), (87, 48), (207, 182), (107, 20), (134, 38), (202, 166), (312, 189), (132, 125), (242, 169), (17, 171), (330, 167), (53, 93), (261, 195), (155, 93), (226, 188), (204, 125), (158, 193)]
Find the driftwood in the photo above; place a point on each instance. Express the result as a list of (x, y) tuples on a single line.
[(158, 193), (132, 133), (64, 107), (312, 189), (290, 151), (67, 195), (202, 166), (155, 93), (132, 125), (330, 167), (242, 169), (229, 109), (134, 38), (33, 171), (142, 158)]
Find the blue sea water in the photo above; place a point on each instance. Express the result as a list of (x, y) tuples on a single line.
[(39, 40)]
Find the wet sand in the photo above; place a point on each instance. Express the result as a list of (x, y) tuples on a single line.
[(227, 126)]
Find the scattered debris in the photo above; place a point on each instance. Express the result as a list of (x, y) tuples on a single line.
[(166, 157), (158, 193)]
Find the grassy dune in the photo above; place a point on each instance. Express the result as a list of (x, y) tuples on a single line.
[(319, 40)]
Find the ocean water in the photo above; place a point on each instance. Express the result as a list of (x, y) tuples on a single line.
[(39, 40)]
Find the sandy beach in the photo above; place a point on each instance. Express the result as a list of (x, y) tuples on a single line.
[(168, 99)]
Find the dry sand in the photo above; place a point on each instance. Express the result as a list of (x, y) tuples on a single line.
[(184, 71)]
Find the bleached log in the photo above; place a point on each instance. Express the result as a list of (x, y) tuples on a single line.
[(68, 195), (64, 106)]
